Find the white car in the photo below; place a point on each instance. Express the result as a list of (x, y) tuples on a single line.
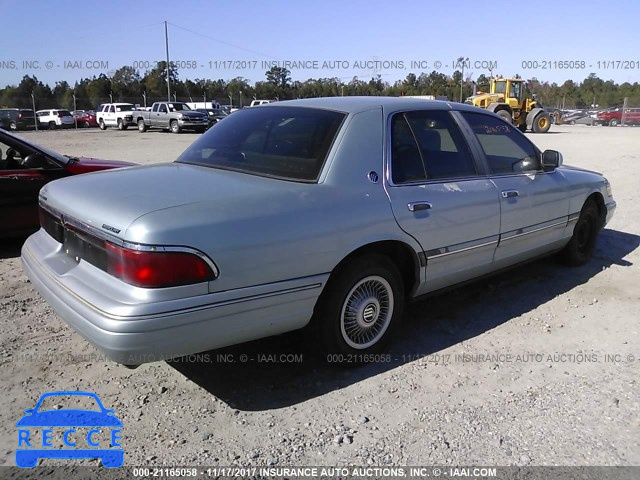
[(115, 115), (55, 119)]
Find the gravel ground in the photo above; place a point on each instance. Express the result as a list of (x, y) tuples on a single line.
[(537, 366)]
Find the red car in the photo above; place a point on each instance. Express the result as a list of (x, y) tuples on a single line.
[(24, 169), (85, 119), (614, 117)]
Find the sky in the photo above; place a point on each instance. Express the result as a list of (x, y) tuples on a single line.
[(550, 40)]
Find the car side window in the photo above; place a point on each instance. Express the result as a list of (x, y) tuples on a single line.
[(163, 108), (112, 109), (406, 161), (444, 150), (507, 150)]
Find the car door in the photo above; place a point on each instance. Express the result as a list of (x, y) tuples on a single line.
[(19, 189), (162, 116), (439, 197), (534, 205)]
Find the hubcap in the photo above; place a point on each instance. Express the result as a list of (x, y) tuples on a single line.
[(366, 312)]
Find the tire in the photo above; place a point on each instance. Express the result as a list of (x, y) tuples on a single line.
[(505, 115), (102, 125), (121, 125), (613, 122), (13, 126), (141, 126), (359, 309), (52, 125), (174, 127), (85, 125), (583, 241), (572, 122), (542, 123)]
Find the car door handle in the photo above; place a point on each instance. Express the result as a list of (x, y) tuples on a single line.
[(418, 206), (510, 193)]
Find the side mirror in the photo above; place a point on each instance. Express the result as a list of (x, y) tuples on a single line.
[(35, 160), (551, 159)]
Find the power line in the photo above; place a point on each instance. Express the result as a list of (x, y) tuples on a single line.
[(222, 41)]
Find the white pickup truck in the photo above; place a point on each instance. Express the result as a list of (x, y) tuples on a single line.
[(118, 115)]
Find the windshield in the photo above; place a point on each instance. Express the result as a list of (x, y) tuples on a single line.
[(284, 142), (501, 87)]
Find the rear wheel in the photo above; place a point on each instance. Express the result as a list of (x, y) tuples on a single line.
[(505, 115), (542, 123), (102, 125), (359, 309), (175, 128), (583, 241)]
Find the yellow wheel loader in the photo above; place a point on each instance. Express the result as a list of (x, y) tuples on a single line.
[(508, 99)]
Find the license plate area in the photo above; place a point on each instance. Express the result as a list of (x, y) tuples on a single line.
[(78, 246)]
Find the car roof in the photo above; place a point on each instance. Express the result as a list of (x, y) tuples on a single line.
[(361, 104)]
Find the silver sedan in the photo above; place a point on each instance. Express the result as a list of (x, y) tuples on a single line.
[(334, 211)]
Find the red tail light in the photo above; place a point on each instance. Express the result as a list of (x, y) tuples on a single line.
[(19, 115), (155, 269), (59, 115)]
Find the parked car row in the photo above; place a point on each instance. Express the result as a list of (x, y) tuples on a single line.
[(386, 200)]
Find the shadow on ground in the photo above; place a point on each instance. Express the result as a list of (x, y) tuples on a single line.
[(272, 377), (10, 248)]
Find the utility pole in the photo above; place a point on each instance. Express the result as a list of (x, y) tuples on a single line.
[(33, 102), (166, 41), (75, 119)]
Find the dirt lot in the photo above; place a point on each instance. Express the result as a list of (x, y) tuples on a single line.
[(538, 366)]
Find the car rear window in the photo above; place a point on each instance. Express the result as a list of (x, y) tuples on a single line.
[(291, 143)]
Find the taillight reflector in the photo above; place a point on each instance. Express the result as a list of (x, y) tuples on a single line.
[(156, 269)]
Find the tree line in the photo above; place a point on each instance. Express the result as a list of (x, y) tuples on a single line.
[(128, 85)]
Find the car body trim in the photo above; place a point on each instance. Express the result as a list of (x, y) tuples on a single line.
[(533, 229), (461, 247)]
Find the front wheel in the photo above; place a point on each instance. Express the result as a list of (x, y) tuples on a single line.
[(175, 128), (141, 126), (121, 125), (359, 309), (583, 241), (13, 126), (542, 123), (102, 125), (613, 122)]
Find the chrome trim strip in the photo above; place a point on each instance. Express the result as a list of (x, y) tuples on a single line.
[(102, 235), (574, 217), (445, 251), (521, 233)]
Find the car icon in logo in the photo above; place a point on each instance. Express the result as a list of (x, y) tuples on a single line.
[(66, 422)]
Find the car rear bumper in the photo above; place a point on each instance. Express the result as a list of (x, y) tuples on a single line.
[(221, 322)]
